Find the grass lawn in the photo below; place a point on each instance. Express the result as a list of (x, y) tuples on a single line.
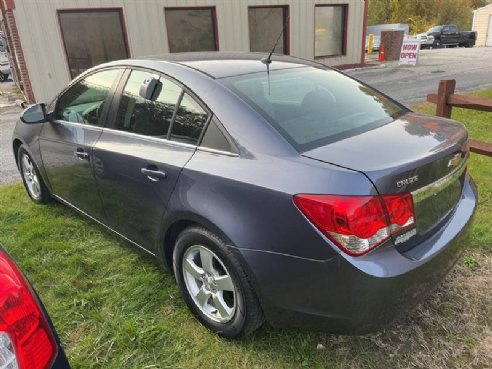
[(114, 308)]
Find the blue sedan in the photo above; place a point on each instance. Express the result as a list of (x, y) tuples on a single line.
[(274, 189)]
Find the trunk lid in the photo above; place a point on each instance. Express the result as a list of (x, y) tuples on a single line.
[(416, 153)]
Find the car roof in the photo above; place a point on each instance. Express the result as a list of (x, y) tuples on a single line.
[(227, 64)]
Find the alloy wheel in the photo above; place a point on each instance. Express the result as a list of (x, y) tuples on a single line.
[(209, 284), (30, 177)]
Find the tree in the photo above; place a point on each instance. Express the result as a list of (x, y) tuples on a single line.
[(455, 12), (420, 15)]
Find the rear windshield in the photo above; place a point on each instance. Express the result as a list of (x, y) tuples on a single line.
[(312, 107)]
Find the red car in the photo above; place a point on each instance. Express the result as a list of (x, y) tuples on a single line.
[(28, 339)]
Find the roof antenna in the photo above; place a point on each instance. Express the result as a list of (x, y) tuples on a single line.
[(268, 60)]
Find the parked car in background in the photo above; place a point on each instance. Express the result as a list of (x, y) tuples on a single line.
[(28, 339), (273, 188), (447, 35), (4, 61)]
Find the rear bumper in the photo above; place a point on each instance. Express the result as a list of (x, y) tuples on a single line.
[(358, 295)]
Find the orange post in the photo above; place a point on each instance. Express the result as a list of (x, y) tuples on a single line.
[(381, 53)]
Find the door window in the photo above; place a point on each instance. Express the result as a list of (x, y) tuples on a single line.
[(84, 101), (189, 122), (147, 117)]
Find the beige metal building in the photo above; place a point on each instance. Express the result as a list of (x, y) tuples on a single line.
[(482, 23), (52, 41)]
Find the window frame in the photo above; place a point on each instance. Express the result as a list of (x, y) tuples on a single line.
[(120, 11), (286, 21), (108, 103), (345, 8), (214, 22)]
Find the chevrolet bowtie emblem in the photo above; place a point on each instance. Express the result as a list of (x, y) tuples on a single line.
[(455, 160)]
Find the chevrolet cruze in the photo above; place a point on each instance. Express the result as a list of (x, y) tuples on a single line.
[(274, 188)]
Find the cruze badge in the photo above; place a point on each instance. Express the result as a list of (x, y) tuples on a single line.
[(457, 158), (407, 181)]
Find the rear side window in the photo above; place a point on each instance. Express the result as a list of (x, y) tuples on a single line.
[(312, 107), (189, 122), (215, 138), (147, 117), (84, 101)]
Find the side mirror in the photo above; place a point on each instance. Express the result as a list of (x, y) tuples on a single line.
[(34, 114), (150, 88)]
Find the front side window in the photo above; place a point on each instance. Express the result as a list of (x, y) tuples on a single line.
[(84, 101), (92, 37), (189, 122), (147, 117), (312, 107), (329, 30), (191, 29), (265, 26)]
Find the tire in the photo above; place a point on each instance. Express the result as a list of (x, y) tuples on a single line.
[(3, 77), (437, 44), (217, 292), (470, 43), (33, 182)]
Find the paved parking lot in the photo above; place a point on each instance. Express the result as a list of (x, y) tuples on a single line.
[(8, 116), (472, 69)]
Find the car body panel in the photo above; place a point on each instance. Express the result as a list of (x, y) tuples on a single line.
[(254, 187), (135, 204), (334, 296), (70, 176)]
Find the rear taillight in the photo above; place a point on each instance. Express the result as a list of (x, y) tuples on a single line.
[(358, 224), (26, 341)]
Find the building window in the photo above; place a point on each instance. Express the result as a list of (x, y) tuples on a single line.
[(191, 29), (92, 37), (329, 30), (265, 26)]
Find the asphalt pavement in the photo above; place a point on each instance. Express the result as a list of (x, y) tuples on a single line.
[(472, 69), (9, 113)]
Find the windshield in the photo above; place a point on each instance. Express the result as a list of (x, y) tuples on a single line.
[(435, 29), (312, 107)]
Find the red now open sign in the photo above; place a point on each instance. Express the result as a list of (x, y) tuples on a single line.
[(409, 53)]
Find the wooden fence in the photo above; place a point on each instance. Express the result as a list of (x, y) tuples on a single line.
[(445, 100)]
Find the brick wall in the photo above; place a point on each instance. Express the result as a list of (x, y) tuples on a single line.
[(19, 67)]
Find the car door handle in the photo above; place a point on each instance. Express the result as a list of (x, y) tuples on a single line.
[(81, 154), (153, 174)]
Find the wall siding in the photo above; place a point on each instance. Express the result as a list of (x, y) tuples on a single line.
[(480, 24), (40, 35)]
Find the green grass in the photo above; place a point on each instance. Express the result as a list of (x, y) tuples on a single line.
[(114, 308)]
